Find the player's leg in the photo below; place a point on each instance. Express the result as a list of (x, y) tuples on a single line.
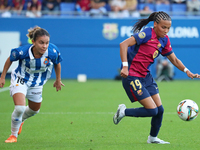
[(34, 96), (156, 122), (136, 92), (31, 109), (16, 118), (18, 90), (149, 109)]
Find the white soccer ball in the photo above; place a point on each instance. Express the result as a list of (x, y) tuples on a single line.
[(187, 110)]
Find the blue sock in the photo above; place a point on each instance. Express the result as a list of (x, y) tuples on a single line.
[(156, 122), (141, 112)]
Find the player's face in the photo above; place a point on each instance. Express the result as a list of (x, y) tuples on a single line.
[(41, 44), (162, 28)]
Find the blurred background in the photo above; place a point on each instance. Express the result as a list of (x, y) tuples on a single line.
[(88, 32)]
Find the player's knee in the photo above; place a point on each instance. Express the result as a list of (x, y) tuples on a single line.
[(160, 110), (153, 112), (32, 112), (18, 112)]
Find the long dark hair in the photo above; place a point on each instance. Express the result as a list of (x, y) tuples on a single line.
[(155, 16)]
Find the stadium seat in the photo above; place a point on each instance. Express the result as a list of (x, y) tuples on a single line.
[(179, 9), (142, 5), (108, 8), (163, 7), (66, 8)]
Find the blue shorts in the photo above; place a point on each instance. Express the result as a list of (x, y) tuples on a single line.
[(138, 88)]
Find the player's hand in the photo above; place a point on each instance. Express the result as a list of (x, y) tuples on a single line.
[(191, 75), (124, 72), (57, 85), (2, 82)]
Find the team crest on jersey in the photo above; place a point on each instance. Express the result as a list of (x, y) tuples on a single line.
[(110, 31), (159, 45), (46, 61), (155, 54), (142, 35), (139, 92)]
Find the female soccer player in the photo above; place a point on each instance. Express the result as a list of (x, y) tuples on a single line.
[(36, 62), (137, 54)]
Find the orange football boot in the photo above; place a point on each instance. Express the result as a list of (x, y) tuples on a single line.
[(20, 128), (11, 139)]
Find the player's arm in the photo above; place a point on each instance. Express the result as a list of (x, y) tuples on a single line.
[(7, 65), (176, 62), (57, 84), (123, 54)]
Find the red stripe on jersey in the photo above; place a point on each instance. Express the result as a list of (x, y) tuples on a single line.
[(135, 98)]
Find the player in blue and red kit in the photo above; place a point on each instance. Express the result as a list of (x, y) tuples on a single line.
[(137, 54), (36, 62)]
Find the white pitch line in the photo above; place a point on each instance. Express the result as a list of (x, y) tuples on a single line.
[(88, 113), (85, 113), (75, 113), (4, 89)]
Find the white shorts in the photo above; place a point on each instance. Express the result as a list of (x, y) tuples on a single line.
[(31, 93)]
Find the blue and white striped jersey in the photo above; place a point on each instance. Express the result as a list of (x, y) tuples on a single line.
[(35, 71)]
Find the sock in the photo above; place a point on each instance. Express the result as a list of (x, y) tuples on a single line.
[(17, 119), (156, 122), (141, 112), (28, 113)]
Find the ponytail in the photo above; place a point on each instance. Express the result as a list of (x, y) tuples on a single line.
[(35, 32), (155, 16)]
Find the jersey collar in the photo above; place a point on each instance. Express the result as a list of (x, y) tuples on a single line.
[(31, 54)]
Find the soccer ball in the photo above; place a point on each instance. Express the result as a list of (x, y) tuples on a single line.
[(187, 110)]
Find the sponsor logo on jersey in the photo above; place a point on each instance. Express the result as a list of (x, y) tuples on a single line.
[(142, 35), (46, 61), (155, 54), (139, 92), (110, 31)]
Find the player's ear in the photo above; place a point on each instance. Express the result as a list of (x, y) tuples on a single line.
[(33, 42), (155, 24)]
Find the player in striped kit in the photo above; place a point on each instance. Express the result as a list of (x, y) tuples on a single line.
[(137, 54), (36, 62)]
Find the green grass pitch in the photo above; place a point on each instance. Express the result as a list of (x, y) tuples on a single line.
[(79, 117)]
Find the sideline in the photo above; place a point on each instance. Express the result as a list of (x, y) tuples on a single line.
[(4, 89)]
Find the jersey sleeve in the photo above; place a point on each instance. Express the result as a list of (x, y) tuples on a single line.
[(167, 50), (143, 36), (15, 54), (57, 58)]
